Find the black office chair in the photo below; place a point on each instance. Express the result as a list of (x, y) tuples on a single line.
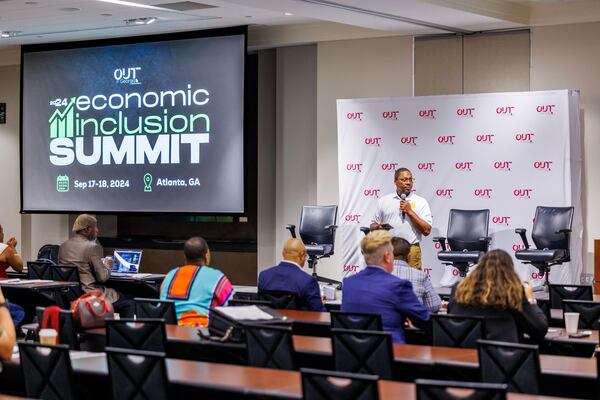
[(467, 237), (589, 312), (317, 231), (39, 270), (318, 385), (280, 300), (360, 321), (428, 389), (136, 374), (139, 334), (245, 295), (544, 305), (270, 347), (48, 252), (364, 352), (451, 330), (249, 302), (558, 293), (153, 308), (67, 332), (551, 235), (47, 371), (67, 274), (517, 365)]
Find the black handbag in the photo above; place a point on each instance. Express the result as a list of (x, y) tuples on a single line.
[(226, 328)]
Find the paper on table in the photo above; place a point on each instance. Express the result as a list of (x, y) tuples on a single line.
[(245, 312)]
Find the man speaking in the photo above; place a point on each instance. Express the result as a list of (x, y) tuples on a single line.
[(405, 215)]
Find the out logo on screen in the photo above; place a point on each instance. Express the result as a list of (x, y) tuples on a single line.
[(485, 138), (525, 137), (127, 75), (350, 268), (354, 167), (446, 139), (352, 218), (429, 113), (543, 165), (355, 116), (371, 192), (426, 166), (501, 220), (523, 193), (444, 193), (466, 112), (505, 110), (545, 109), (393, 115), (464, 165), (409, 140), (373, 141), (389, 166), (483, 193), (503, 165)]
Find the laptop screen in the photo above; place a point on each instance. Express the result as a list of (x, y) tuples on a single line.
[(127, 261)]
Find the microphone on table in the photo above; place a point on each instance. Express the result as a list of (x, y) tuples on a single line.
[(403, 197)]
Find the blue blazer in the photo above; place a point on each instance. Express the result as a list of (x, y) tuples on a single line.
[(374, 290), (287, 277)]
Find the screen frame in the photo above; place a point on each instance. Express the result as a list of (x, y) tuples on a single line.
[(208, 33)]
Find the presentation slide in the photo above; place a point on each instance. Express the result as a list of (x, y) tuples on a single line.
[(151, 127)]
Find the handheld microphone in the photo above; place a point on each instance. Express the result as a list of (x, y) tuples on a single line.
[(403, 197)]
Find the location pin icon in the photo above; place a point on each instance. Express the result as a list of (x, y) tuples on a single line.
[(147, 182)]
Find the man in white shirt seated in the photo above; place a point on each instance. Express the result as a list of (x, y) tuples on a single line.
[(420, 281)]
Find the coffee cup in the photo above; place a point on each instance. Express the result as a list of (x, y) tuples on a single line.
[(48, 336), (571, 322)]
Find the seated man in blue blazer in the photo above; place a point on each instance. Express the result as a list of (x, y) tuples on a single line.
[(375, 290), (289, 277)]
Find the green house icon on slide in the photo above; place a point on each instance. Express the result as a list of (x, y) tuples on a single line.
[(62, 123)]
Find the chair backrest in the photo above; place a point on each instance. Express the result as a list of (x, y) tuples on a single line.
[(589, 312), (47, 371), (361, 321), (248, 302), (364, 352), (558, 293), (548, 221), (438, 390), (466, 227), (517, 365), (270, 347), (139, 334), (39, 270), (313, 221), (329, 385), (453, 330), (136, 374), (49, 252), (67, 332), (68, 274), (279, 299), (544, 305), (245, 295), (153, 308)]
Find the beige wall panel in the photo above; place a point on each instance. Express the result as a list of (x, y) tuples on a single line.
[(438, 66)]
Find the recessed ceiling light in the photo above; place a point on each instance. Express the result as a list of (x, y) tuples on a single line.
[(70, 9), (287, 14), (141, 21), (248, 16), (31, 2), (106, 15)]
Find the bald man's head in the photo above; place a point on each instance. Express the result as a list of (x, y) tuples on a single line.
[(294, 250)]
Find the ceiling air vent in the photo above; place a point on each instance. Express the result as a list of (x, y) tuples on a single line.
[(183, 6)]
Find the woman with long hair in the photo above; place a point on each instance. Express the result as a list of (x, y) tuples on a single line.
[(493, 290)]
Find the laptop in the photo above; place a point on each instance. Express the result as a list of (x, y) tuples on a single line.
[(126, 262)]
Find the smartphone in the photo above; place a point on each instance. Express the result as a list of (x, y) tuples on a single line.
[(581, 334)]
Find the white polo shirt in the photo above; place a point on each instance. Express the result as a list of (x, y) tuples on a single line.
[(388, 212)]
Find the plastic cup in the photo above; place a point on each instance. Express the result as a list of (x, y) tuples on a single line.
[(571, 322), (48, 336)]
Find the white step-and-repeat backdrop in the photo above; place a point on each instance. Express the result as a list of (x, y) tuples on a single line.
[(508, 152)]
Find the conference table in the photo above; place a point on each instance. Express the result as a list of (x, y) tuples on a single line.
[(35, 292), (142, 285), (194, 378)]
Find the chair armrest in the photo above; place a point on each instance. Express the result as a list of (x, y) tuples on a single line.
[(365, 229), (292, 229), (565, 231), (521, 232), (441, 240), (331, 228)]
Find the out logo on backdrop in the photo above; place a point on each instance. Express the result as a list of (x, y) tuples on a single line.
[(446, 139), (503, 165), (545, 109), (409, 140), (390, 115), (389, 166), (537, 275), (484, 193), (355, 116), (83, 128), (517, 247), (352, 218), (428, 113), (350, 268), (505, 110), (357, 167), (447, 193), (427, 271), (464, 165), (371, 193), (426, 166), (525, 137), (466, 112), (543, 165), (373, 141), (523, 193), (438, 246), (501, 220), (485, 138)]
